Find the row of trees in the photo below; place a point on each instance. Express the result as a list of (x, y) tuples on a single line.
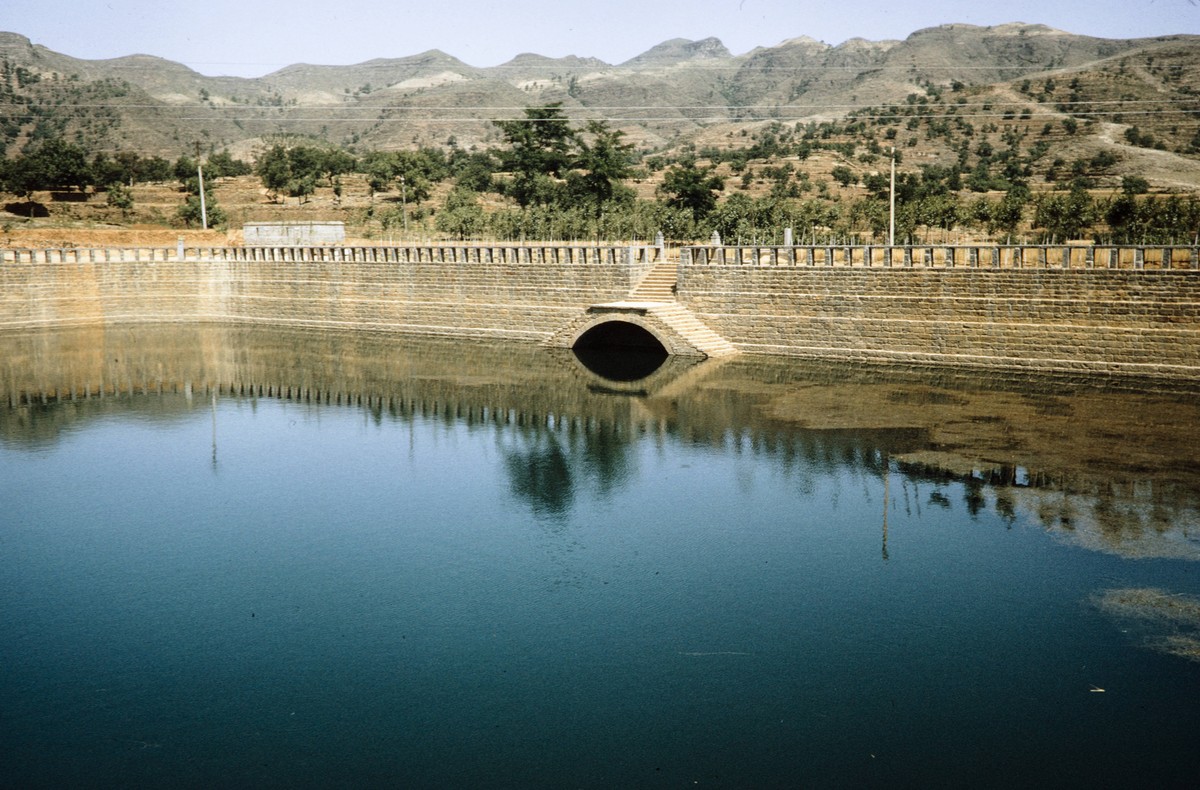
[(56, 164), (566, 182), (741, 218)]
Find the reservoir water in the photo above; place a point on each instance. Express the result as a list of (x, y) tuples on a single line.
[(247, 557)]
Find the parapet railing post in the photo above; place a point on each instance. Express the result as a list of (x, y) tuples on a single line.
[(1139, 257)]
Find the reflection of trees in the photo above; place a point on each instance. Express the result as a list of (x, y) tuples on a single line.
[(548, 466), (38, 424), (1056, 453), (604, 457), (540, 473)]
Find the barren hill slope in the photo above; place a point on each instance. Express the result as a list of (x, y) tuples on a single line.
[(678, 92)]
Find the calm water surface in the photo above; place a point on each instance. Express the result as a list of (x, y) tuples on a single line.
[(234, 557)]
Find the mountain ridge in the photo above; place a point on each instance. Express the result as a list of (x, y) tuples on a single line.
[(672, 91)]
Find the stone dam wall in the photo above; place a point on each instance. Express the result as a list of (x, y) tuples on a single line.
[(516, 293), (1049, 315), (1127, 312)]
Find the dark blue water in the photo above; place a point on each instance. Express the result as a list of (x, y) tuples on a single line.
[(208, 588)]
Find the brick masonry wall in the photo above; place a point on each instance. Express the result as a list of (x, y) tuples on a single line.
[(1144, 322), (518, 300), (1122, 321)]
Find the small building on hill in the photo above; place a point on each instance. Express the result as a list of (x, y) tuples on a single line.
[(293, 234)]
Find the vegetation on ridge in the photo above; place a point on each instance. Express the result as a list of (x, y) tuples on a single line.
[(1076, 139)]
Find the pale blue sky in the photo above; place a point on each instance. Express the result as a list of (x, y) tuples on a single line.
[(254, 37)]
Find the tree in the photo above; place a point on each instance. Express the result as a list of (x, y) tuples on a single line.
[(1008, 213), (410, 171), (378, 167), (274, 168), (106, 170), (474, 170), (223, 164), (735, 219), (154, 168), (462, 215), (843, 175), (1122, 215), (52, 164), (301, 187), (337, 162), (605, 161), (184, 169), (189, 213), (1134, 185), (417, 172), (1064, 216), (539, 150), (691, 187), (119, 196)]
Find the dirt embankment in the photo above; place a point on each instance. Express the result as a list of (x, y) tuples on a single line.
[(84, 219), (35, 237)]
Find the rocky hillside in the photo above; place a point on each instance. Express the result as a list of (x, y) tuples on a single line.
[(677, 92)]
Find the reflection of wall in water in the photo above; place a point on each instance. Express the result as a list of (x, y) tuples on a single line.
[(1106, 468)]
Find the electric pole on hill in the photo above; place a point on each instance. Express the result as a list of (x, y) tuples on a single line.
[(200, 176), (892, 203)]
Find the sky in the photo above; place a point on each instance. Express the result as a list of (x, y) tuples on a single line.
[(250, 38)]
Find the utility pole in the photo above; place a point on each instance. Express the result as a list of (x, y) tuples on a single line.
[(892, 203), (200, 175), (404, 204)]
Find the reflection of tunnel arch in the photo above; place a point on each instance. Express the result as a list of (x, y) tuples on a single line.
[(620, 350)]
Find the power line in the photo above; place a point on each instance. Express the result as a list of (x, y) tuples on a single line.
[(924, 109)]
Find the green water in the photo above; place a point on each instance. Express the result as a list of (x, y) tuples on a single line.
[(234, 557)]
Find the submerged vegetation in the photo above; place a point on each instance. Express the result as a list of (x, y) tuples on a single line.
[(1171, 622)]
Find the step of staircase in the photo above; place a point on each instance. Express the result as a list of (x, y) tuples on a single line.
[(691, 329), (656, 292), (658, 285)]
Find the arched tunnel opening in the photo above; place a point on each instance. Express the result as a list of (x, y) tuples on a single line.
[(620, 351)]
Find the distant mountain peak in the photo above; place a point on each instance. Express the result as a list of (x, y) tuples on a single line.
[(678, 50), (802, 41)]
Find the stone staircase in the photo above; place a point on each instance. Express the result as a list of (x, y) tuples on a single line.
[(691, 329), (658, 285), (656, 292)]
